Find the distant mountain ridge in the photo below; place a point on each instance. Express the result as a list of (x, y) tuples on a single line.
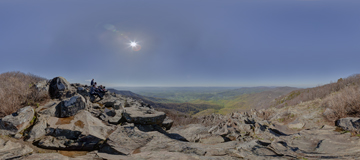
[(209, 100)]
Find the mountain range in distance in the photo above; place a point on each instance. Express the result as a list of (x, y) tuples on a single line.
[(199, 101)]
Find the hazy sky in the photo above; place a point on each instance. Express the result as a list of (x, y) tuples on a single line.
[(183, 42)]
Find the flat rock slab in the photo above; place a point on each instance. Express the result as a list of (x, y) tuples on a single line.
[(11, 150), (191, 132), (143, 115), (55, 156), (83, 122), (16, 122), (124, 140), (214, 139), (79, 132)]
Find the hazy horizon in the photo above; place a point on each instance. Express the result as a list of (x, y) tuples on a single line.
[(210, 43)]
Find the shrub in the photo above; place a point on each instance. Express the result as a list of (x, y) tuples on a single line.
[(319, 92), (344, 103), (17, 90)]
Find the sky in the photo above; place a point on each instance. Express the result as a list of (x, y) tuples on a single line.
[(300, 43)]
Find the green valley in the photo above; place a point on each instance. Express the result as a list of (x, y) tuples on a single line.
[(199, 101)]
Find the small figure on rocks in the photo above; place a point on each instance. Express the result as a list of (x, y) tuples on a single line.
[(101, 89), (94, 91), (92, 82)]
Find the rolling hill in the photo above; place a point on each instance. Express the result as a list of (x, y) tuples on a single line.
[(203, 101)]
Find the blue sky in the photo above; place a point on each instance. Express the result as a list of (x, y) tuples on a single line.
[(300, 43)]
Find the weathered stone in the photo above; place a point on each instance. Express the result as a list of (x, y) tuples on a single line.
[(349, 123), (296, 125), (12, 150), (16, 122), (58, 87), (212, 139), (83, 92), (167, 123), (55, 156), (117, 105), (71, 106), (48, 109), (117, 118), (126, 104), (38, 130), (191, 132), (109, 112), (96, 106), (124, 140), (79, 132), (143, 115)]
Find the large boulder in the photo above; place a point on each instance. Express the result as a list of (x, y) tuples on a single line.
[(124, 140), (60, 87), (84, 92), (167, 123), (79, 132), (16, 122), (13, 150), (143, 115), (38, 130), (112, 116), (71, 106), (349, 124)]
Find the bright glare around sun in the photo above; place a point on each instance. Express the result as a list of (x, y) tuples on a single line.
[(133, 44)]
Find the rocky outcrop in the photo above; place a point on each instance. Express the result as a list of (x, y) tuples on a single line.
[(191, 132), (167, 123), (38, 130), (124, 140), (143, 115), (12, 150), (17, 122), (112, 116), (137, 131), (349, 124), (48, 156), (213, 139), (59, 87), (71, 106), (79, 132)]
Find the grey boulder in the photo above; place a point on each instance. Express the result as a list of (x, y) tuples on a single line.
[(167, 123), (79, 132), (38, 130), (124, 140), (58, 87), (143, 115), (12, 150), (349, 123), (16, 122), (71, 106)]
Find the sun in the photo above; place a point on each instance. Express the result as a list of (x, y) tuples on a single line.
[(133, 44)]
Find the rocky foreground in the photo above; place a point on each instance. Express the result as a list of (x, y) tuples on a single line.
[(119, 127)]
